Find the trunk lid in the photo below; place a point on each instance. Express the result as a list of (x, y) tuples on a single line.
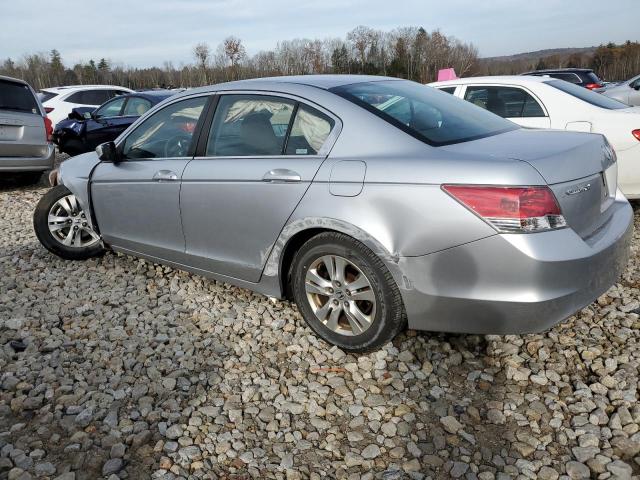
[(574, 165), (22, 134)]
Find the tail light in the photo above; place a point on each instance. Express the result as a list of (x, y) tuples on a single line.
[(48, 109), (48, 128), (511, 209), (593, 86), (636, 133)]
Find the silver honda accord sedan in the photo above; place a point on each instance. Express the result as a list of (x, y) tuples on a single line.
[(371, 202)]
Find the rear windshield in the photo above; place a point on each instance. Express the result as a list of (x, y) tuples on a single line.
[(44, 96), (435, 117), (587, 95), (17, 97)]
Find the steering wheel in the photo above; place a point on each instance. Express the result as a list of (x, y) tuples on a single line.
[(177, 146)]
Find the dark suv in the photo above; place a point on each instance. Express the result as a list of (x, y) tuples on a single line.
[(584, 77)]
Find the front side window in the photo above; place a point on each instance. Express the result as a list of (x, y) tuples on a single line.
[(17, 97), (423, 112), (249, 125), (309, 131), (508, 102), (588, 96), (167, 133), (136, 106), (110, 109)]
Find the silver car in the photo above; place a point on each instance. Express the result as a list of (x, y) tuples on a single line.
[(627, 92), (25, 130), (370, 201)]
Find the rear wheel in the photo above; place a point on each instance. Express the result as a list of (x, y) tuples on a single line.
[(62, 227), (345, 293)]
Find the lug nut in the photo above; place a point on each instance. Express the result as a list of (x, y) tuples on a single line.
[(331, 290), (336, 302)]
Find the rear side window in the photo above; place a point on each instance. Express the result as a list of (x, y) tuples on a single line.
[(17, 97), (43, 96), (508, 102), (309, 131), (136, 106), (588, 96), (249, 125), (89, 97), (423, 112), (450, 90), (115, 93)]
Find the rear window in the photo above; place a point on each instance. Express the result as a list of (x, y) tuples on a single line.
[(592, 77), (43, 96), (425, 113), (17, 97), (587, 95)]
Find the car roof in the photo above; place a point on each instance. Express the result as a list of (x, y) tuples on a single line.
[(155, 95), (11, 79), (69, 88), (507, 79), (558, 70), (324, 82)]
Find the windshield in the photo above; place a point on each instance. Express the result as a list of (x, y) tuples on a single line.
[(435, 117), (17, 97), (587, 95)]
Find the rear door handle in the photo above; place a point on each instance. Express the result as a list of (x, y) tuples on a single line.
[(281, 175), (165, 176)]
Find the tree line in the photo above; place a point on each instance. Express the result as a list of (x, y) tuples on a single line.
[(406, 52), (610, 62)]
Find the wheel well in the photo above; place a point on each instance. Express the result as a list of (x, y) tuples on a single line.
[(290, 250)]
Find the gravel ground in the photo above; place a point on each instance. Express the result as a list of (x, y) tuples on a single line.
[(135, 370)]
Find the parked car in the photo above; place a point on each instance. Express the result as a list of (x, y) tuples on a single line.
[(585, 77), (86, 128), (540, 102), (368, 200), (25, 130), (59, 101), (626, 92)]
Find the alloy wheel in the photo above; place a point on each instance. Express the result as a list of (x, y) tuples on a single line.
[(340, 295), (68, 224)]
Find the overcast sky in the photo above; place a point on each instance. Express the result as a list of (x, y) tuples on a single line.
[(148, 32)]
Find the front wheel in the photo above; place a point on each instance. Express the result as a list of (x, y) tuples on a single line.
[(62, 227), (345, 293)]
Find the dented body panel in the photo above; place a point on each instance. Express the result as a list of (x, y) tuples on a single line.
[(383, 188)]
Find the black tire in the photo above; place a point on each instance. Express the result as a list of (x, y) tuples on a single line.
[(72, 147), (389, 317), (48, 240)]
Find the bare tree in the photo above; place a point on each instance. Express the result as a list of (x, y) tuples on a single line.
[(202, 52)]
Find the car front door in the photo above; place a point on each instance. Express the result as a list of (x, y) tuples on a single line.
[(512, 103), (103, 124), (136, 201), (260, 156)]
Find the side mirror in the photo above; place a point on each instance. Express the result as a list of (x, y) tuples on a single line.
[(107, 152), (636, 86), (88, 115)]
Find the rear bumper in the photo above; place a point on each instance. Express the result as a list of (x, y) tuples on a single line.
[(29, 164), (512, 284)]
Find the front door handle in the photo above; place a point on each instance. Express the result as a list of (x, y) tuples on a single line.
[(281, 175), (165, 176)]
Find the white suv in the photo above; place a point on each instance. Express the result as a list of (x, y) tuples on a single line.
[(59, 101)]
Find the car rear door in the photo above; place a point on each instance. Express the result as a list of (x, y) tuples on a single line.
[(136, 201), (514, 103), (254, 164)]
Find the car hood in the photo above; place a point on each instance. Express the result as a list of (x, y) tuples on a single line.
[(558, 155)]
